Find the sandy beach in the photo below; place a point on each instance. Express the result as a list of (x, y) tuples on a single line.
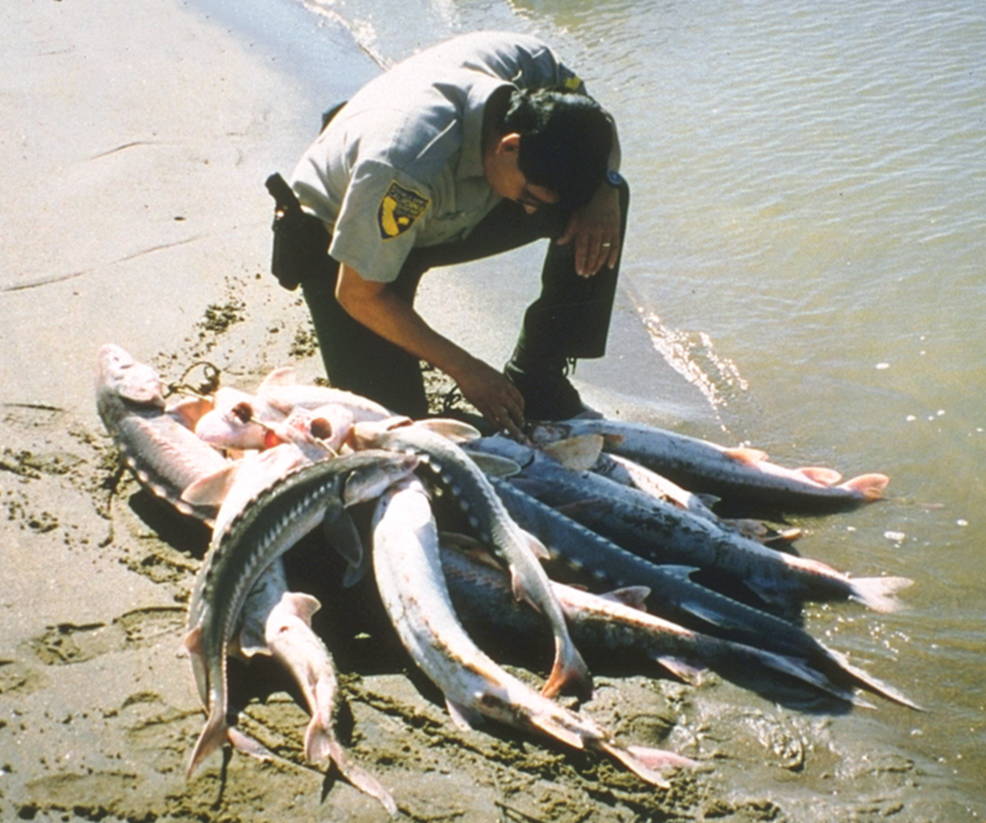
[(137, 138)]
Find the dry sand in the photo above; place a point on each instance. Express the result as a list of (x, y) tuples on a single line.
[(136, 137)]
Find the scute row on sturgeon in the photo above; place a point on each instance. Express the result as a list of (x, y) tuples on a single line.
[(270, 525), (412, 586), (162, 452), (674, 596), (739, 474), (668, 534), (612, 623), (520, 551)]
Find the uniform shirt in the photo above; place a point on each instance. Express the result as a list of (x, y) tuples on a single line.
[(401, 164)]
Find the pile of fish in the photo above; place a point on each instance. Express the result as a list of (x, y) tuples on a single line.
[(463, 527)]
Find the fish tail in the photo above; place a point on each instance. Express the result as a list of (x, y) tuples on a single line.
[(214, 735), (872, 683), (868, 486), (878, 592), (361, 779), (647, 763), (568, 668)]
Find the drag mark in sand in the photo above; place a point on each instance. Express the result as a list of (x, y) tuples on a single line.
[(61, 278), (67, 643)]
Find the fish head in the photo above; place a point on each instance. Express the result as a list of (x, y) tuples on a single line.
[(373, 472), (234, 422), (120, 374)]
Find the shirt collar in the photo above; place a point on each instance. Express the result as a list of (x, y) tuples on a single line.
[(471, 158)]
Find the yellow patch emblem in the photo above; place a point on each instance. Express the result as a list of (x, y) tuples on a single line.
[(399, 208)]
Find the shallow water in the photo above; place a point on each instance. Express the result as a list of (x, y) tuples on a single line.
[(806, 250)]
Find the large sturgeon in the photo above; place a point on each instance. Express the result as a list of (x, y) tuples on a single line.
[(156, 444), (277, 622), (741, 474), (614, 623), (409, 576), (674, 596), (270, 525), (666, 533), (455, 471)]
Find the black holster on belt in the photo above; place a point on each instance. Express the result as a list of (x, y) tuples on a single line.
[(300, 239)]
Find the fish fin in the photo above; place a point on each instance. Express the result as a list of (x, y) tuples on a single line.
[(211, 489), (282, 376), (537, 548), (648, 763), (578, 453), (320, 739), (868, 486), (872, 683), (709, 500), (680, 668), (341, 534), (554, 729), (213, 737), (568, 668), (301, 605), (746, 455), (251, 641), (464, 717), (878, 592), (242, 742), (819, 474), (354, 574), (192, 643), (633, 596), (188, 410), (361, 779), (799, 670), (494, 465), (455, 430)]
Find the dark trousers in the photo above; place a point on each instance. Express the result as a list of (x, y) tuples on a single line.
[(569, 319)]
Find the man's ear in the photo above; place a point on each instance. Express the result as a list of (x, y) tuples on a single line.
[(510, 142)]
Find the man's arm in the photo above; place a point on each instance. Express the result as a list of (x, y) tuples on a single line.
[(377, 307), (595, 228)]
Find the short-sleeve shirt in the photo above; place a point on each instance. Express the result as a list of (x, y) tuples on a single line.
[(401, 164)]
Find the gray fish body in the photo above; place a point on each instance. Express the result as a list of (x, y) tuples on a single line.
[(163, 454), (454, 470), (702, 466), (673, 595), (409, 575), (665, 533), (628, 472), (608, 625), (270, 524)]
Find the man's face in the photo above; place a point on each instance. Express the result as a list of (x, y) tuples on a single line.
[(507, 180)]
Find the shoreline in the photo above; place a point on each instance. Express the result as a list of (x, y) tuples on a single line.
[(141, 219)]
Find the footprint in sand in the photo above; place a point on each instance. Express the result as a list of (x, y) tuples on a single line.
[(73, 643)]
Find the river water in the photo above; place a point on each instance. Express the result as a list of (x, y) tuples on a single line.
[(806, 258)]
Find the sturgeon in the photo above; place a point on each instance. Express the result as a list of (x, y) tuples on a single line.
[(455, 471), (673, 595), (615, 622), (270, 525), (741, 474), (281, 391), (411, 583), (157, 446), (277, 622), (668, 534)]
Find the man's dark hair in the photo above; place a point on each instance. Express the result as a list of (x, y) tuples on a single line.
[(565, 141)]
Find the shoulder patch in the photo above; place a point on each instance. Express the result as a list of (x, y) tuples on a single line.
[(399, 208)]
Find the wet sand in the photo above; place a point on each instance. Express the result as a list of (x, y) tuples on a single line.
[(137, 138)]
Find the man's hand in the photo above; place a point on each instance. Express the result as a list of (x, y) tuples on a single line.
[(595, 230), (496, 398)]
